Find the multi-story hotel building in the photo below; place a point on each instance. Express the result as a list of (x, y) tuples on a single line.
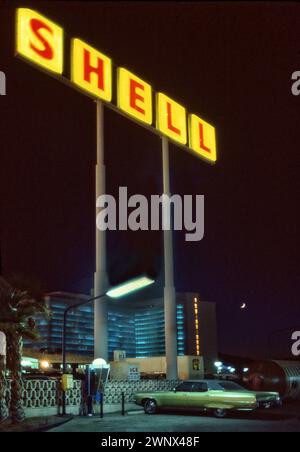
[(135, 326)]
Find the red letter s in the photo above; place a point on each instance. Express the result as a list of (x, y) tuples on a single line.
[(47, 52)]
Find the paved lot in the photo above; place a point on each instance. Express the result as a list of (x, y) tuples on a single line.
[(179, 422)]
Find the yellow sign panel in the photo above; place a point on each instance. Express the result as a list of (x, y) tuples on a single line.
[(91, 70), (134, 96), (202, 138), (171, 118), (40, 40)]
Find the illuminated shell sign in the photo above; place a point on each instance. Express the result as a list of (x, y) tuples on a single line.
[(41, 41)]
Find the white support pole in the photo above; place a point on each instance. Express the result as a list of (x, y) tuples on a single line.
[(100, 279), (169, 290)]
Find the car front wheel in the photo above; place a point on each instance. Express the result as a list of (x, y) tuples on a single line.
[(150, 406), (220, 413)]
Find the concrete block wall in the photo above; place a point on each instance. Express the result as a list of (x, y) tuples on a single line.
[(114, 389), (43, 397)]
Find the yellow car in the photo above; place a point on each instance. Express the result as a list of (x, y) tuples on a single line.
[(216, 396)]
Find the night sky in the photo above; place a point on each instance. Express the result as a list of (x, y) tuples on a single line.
[(231, 63)]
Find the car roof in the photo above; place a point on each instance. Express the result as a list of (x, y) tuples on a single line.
[(212, 384), (206, 381), (199, 381)]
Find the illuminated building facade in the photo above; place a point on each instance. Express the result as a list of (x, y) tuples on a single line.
[(138, 327)]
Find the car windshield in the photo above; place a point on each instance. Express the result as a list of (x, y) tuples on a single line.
[(231, 386)]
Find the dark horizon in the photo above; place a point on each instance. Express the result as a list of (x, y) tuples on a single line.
[(229, 62)]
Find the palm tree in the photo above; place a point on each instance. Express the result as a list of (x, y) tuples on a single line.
[(3, 408), (20, 303)]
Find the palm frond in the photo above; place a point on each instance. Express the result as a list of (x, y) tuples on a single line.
[(32, 335), (20, 303)]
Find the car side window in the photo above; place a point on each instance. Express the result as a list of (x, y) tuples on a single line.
[(184, 387), (200, 387)]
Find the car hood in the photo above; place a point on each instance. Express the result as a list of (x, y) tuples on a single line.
[(265, 396)]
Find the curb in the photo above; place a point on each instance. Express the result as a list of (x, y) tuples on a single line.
[(130, 413), (45, 428)]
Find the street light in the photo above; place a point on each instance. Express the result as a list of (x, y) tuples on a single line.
[(114, 292), (218, 364), (129, 287), (44, 364)]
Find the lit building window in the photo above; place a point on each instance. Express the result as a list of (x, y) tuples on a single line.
[(197, 337)]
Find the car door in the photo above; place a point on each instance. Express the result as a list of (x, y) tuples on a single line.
[(178, 397), (199, 395)]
